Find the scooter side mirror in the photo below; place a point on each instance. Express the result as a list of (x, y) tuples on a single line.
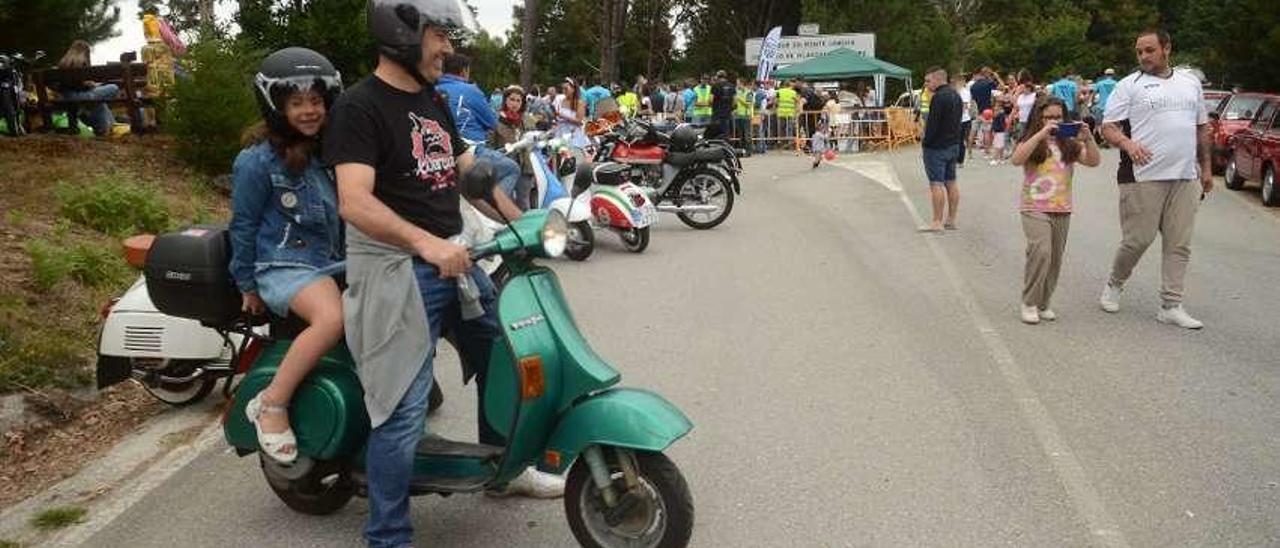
[(478, 183), (583, 177)]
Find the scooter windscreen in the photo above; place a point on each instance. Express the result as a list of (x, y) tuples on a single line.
[(555, 190)]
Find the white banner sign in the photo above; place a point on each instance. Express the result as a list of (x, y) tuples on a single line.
[(795, 49), (768, 52)]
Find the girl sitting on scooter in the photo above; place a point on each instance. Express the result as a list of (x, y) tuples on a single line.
[(286, 237)]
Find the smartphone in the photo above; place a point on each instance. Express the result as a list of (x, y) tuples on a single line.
[(1068, 130)]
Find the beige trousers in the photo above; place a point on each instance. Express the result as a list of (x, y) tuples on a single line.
[(1046, 242), (1167, 207)]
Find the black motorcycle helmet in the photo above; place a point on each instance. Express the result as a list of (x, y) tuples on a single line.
[(290, 70), (397, 27), (684, 138)]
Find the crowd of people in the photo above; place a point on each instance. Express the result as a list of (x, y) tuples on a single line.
[(995, 109), (1155, 116), (755, 116)]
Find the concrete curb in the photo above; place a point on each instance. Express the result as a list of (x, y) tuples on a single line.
[(126, 473)]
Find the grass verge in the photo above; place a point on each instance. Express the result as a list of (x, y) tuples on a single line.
[(58, 517)]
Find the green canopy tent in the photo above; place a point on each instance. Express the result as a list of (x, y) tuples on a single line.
[(843, 63)]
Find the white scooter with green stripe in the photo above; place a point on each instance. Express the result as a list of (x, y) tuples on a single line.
[(615, 203)]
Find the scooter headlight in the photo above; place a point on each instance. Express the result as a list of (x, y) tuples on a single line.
[(555, 234)]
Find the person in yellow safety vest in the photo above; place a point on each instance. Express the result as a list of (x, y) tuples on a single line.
[(702, 102), (925, 96), (744, 110), (629, 103), (788, 105)]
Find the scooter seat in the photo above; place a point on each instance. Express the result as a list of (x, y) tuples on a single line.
[(436, 446), (705, 155)]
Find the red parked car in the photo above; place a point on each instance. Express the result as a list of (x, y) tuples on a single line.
[(1215, 98), (1233, 116), (1255, 153)]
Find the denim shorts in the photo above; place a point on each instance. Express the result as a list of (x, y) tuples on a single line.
[(277, 285), (940, 164)]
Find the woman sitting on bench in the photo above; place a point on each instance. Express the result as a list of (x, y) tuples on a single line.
[(77, 57)]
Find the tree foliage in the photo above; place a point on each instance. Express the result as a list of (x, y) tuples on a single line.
[(1235, 42), (212, 106), (717, 29), (51, 25), (335, 28)]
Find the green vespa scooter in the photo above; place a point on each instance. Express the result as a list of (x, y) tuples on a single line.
[(547, 393)]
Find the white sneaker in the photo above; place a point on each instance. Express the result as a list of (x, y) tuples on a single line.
[(533, 484), (1110, 299), (1179, 317), (994, 163), (1047, 314), (1030, 314)]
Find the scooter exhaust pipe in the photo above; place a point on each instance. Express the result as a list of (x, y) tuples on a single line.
[(195, 374), (671, 208)]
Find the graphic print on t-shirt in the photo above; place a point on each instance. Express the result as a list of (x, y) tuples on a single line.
[(433, 152)]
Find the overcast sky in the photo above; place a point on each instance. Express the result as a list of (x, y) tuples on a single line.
[(494, 18)]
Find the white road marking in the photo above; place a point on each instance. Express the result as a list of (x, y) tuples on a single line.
[(1084, 497)]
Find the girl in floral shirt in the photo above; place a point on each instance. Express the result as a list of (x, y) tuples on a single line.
[(1048, 163)]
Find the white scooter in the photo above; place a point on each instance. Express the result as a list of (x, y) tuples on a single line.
[(550, 190), (590, 197)]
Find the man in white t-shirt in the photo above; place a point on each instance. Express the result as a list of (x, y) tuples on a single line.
[(1157, 118), (966, 120)]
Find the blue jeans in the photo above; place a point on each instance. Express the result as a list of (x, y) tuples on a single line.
[(390, 452), (100, 117), (506, 169)]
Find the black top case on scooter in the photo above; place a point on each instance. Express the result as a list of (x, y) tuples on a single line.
[(188, 277)]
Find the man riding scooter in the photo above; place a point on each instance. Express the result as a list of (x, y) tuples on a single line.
[(475, 121), (398, 159)]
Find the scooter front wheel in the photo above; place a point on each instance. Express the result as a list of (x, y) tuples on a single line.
[(652, 509), (312, 487), (581, 241)]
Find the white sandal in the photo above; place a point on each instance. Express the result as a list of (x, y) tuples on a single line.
[(273, 444)]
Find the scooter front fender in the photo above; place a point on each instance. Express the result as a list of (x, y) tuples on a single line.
[(575, 210), (621, 417)]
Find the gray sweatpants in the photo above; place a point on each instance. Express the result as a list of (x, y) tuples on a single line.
[(1167, 207), (1046, 241)]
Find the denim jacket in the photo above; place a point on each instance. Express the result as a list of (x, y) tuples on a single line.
[(281, 219)]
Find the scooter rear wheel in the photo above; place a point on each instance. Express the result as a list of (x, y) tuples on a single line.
[(176, 394), (705, 187), (316, 488), (635, 239), (661, 513)]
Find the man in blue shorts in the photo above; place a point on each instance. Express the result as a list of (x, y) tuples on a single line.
[(941, 146)]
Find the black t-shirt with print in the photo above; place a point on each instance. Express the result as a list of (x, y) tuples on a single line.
[(410, 141)]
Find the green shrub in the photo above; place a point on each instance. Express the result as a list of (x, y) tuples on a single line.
[(59, 517), (114, 207), (93, 265), (47, 356), (214, 104)]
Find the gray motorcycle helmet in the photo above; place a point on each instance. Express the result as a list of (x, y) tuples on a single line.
[(397, 26)]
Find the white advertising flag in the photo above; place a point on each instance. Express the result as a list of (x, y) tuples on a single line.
[(768, 54)]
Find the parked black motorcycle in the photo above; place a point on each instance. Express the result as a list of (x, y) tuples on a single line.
[(13, 95), (694, 178)]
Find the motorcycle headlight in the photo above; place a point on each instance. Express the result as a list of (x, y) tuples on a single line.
[(555, 234)]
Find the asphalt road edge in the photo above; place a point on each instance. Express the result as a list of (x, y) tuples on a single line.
[(110, 485), (1071, 474)]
